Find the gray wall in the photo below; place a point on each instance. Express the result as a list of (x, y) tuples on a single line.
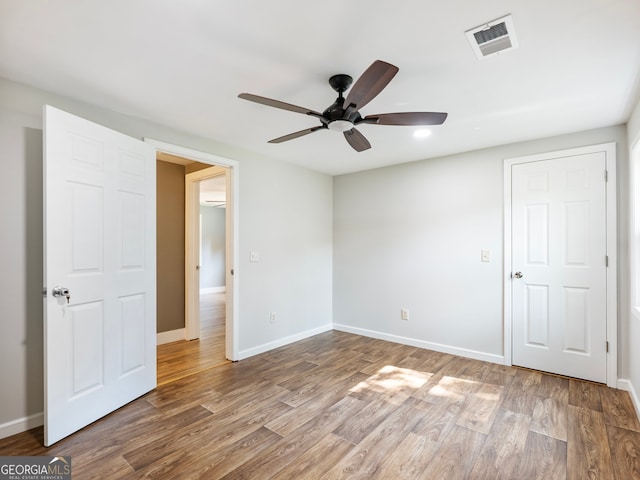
[(21, 353), (295, 266), (410, 236), (632, 339), (212, 253)]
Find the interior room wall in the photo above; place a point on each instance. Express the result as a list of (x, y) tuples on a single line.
[(21, 281), (290, 213), (295, 243), (212, 251), (632, 340), (410, 236), (170, 246)]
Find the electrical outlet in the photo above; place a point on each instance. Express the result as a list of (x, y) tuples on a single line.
[(254, 256), (404, 314), (272, 317)]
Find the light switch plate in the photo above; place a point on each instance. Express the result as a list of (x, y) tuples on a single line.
[(254, 257), (485, 256)]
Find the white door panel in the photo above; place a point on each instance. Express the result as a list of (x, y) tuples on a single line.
[(100, 244), (559, 247)]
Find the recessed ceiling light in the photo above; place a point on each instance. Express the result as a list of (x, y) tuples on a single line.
[(422, 133)]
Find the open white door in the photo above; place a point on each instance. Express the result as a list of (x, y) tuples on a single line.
[(99, 245)]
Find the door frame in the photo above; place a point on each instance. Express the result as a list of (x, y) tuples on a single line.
[(609, 149), (233, 181), (192, 246)]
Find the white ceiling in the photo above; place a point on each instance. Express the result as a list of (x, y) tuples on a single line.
[(213, 191), (184, 63)]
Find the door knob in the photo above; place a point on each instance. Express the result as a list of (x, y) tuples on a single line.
[(61, 292), (518, 274)]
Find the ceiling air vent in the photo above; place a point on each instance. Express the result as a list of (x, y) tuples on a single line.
[(493, 37)]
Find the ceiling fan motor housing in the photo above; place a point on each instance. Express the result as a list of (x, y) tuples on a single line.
[(336, 117)]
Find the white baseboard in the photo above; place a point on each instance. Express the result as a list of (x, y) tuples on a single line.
[(462, 352), (213, 290), (265, 347), (624, 384), (170, 336), (21, 425)]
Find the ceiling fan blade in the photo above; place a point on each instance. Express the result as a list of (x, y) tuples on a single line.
[(301, 133), (370, 83), (357, 140), (278, 104), (406, 118)]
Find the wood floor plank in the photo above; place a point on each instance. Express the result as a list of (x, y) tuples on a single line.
[(292, 420), (545, 458), (409, 460), (294, 445), (519, 396), (481, 408), (432, 361), (588, 452), (371, 452), (550, 417), (499, 375), (502, 450), (316, 461), (445, 388), (356, 428), (618, 409), (456, 455), (338, 405), (625, 452), (439, 419), (393, 383), (303, 388), (211, 461), (585, 395), (111, 467), (224, 431)]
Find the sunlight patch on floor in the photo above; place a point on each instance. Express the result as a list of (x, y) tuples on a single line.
[(393, 378)]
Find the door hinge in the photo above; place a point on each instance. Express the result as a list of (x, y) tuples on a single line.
[(606, 260), (606, 176), (607, 346)]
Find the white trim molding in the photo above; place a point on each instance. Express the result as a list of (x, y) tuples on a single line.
[(412, 342), (21, 425), (609, 150), (265, 347), (170, 336)]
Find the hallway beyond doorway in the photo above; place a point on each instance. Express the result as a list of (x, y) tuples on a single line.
[(180, 359)]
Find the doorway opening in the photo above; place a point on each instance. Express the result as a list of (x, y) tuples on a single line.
[(196, 290)]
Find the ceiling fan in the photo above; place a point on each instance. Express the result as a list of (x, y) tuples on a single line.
[(343, 115)]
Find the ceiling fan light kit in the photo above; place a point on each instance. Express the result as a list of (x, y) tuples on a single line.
[(344, 114)]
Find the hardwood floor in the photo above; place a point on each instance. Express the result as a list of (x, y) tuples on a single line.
[(180, 359), (342, 406)]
